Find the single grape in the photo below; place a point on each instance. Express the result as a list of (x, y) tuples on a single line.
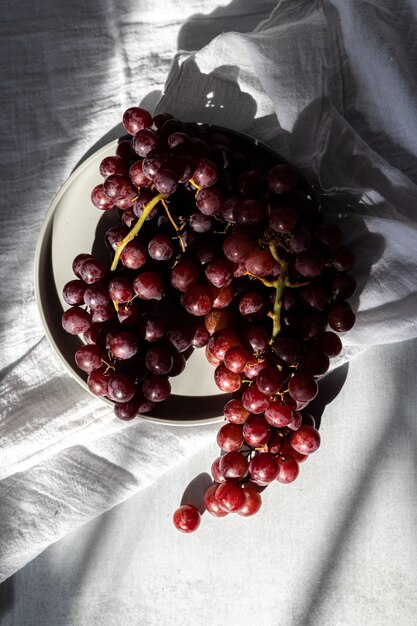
[(219, 320), (179, 364), (253, 501), (133, 255), (252, 303), (198, 300), (156, 388), (149, 286), (98, 382), (314, 362), (341, 317), (230, 496), (103, 313), (115, 235), (145, 141), (223, 296), (343, 259), (281, 178), (303, 387), (100, 199), (78, 263), (256, 431), (278, 415), (230, 437), (76, 321), (305, 440), (343, 286), (216, 472), (283, 219), (234, 466), (329, 343), (135, 119), (159, 360), (249, 212), (160, 248), (256, 338), (251, 184), (73, 292), (238, 247), (89, 358), (184, 274), (92, 271), (205, 173), (153, 163), (120, 289), (218, 273), (152, 328), (210, 201), (187, 518), (211, 504), (200, 336), (254, 400), (288, 470), (121, 388), (126, 411), (112, 165), (123, 345), (236, 359), (269, 380), (118, 186), (310, 263), (137, 175), (200, 223), (235, 412), (165, 181), (180, 338), (299, 241), (315, 295), (226, 380), (329, 235), (263, 468), (260, 262)]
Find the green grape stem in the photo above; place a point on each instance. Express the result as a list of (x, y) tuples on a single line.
[(132, 233)]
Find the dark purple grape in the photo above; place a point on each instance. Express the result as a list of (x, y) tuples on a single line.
[(123, 345), (329, 343), (145, 141), (255, 337), (152, 328), (309, 264), (252, 303), (205, 173), (220, 155), (180, 338), (153, 163), (103, 313), (120, 290), (309, 325), (200, 336), (121, 388), (236, 359), (149, 286), (315, 295), (281, 178), (218, 273), (115, 235), (160, 119), (341, 317), (160, 248), (343, 259), (178, 365), (98, 383), (200, 223), (238, 247), (184, 274), (89, 358), (96, 296), (251, 184), (159, 360), (165, 181), (92, 271), (228, 209), (183, 167), (73, 292), (343, 286), (226, 380), (129, 218), (205, 253), (76, 321), (249, 212), (125, 151), (210, 201), (135, 119), (314, 362), (156, 388), (269, 380), (260, 262), (133, 255), (126, 411), (254, 400), (256, 431), (118, 186), (287, 349), (303, 387), (112, 165), (78, 263), (100, 199), (178, 141), (283, 219), (299, 241), (137, 175)]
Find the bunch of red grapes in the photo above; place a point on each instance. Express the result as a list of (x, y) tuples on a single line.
[(213, 251)]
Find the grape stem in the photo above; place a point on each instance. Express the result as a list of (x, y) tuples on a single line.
[(280, 284), (132, 233), (197, 187), (171, 219)]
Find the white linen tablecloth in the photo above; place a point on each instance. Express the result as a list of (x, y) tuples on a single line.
[(331, 85)]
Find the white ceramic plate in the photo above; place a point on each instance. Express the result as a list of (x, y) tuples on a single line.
[(70, 228)]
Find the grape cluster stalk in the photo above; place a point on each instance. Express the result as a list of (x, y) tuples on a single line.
[(213, 252)]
